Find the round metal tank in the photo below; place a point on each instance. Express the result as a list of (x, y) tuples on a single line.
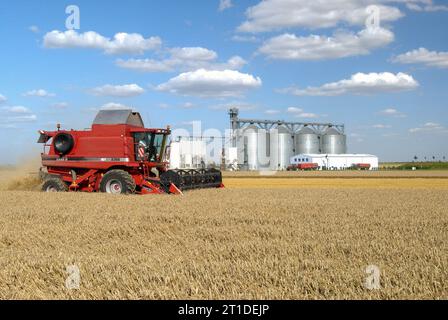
[(251, 147), (306, 141), (281, 148), (240, 146), (334, 142), (263, 152)]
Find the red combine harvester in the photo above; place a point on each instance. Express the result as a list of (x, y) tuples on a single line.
[(117, 155)]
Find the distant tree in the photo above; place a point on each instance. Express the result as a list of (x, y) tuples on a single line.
[(444, 158), (415, 158), (425, 158)]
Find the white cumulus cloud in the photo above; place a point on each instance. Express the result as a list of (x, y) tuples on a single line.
[(183, 59), (225, 4), (211, 83), (316, 47), (114, 106), (360, 83), (240, 105), (392, 112), (193, 53), (381, 126), (16, 109), (34, 29), (271, 15), (239, 38), (294, 110), (122, 43), (425, 57), (2, 98), (271, 111), (430, 127), (60, 105), (300, 113), (145, 65), (39, 93), (307, 115), (425, 6), (12, 115), (127, 90)]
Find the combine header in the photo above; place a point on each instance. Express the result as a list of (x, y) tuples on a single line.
[(117, 155)]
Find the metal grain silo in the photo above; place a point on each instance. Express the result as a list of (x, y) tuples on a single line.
[(264, 149), (251, 147), (281, 148), (240, 144), (306, 141), (334, 142)]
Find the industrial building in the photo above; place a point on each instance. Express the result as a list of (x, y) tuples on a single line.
[(187, 154), (337, 161), (268, 145)]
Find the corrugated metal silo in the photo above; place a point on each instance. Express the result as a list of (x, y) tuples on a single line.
[(334, 142), (240, 144), (281, 148), (264, 149), (251, 147), (306, 141)]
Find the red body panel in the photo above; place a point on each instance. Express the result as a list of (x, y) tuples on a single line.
[(362, 166), (304, 166)]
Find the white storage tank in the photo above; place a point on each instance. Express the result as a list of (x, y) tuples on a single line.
[(175, 155), (333, 142), (281, 148), (264, 149), (251, 147), (240, 143), (306, 141)]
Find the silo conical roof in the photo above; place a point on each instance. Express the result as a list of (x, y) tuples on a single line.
[(332, 131), (306, 130), (282, 129)]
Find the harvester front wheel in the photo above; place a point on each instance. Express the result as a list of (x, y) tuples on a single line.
[(54, 185), (117, 182)]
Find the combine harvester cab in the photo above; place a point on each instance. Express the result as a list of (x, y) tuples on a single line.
[(117, 155)]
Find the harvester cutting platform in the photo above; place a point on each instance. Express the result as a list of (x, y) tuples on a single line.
[(117, 155)]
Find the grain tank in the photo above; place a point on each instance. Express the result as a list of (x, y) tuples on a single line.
[(333, 142), (281, 146), (250, 147), (307, 141)]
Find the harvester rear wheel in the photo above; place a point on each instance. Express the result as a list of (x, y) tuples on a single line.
[(54, 185), (117, 182)]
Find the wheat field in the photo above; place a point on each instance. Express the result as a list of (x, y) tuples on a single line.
[(247, 241)]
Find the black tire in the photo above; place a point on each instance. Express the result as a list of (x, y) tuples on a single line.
[(54, 185), (117, 182), (63, 143)]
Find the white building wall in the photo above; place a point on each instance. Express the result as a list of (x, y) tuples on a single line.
[(174, 155), (336, 161), (187, 154)]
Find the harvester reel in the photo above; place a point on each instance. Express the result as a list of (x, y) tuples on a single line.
[(170, 177), (192, 178)]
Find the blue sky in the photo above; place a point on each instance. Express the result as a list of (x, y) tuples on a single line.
[(181, 61)]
